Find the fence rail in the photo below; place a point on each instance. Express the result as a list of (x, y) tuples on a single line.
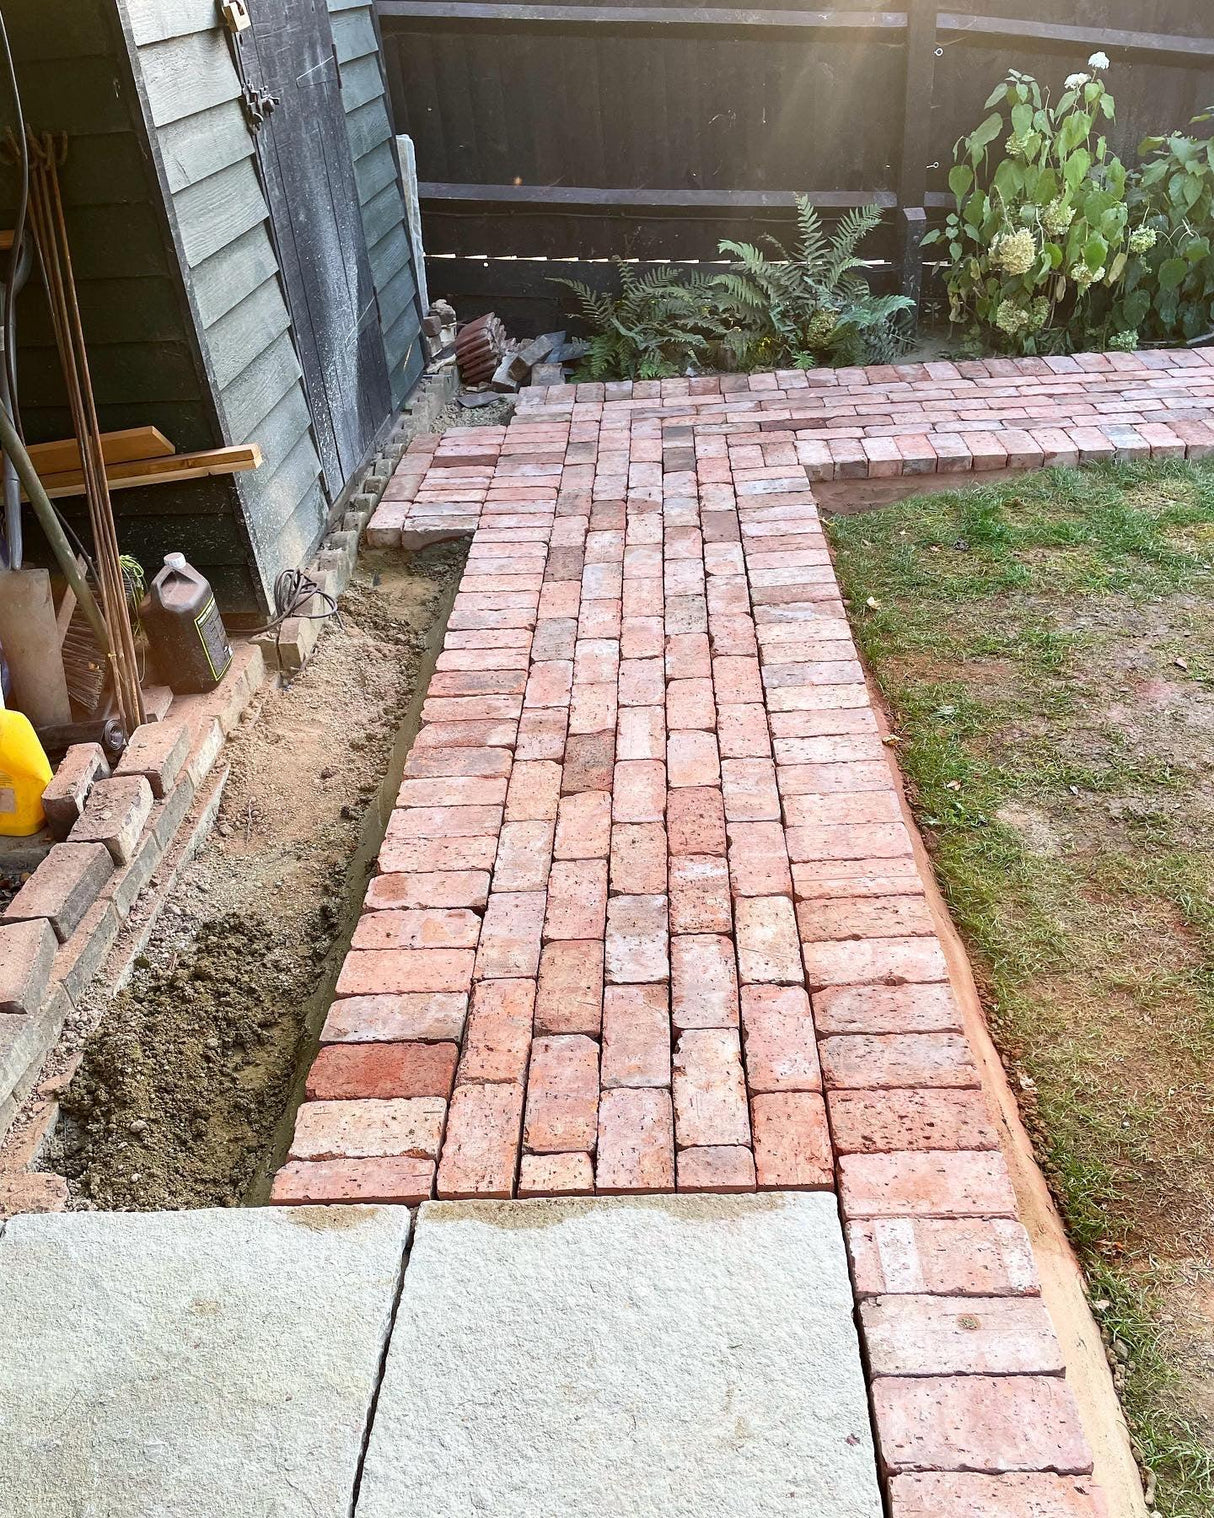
[(578, 132)]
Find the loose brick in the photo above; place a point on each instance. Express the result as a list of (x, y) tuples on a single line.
[(569, 998), (157, 751), (115, 814), (875, 917), (709, 1090), (638, 858), (704, 982), (27, 952), (523, 856), (350, 1130), (400, 1180), (639, 791), (781, 1053), (589, 762), (498, 1041), (535, 791), (979, 1423), (349, 1071), (941, 1336), (792, 1141), (438, 888), (480, 1151), (63, 887), (511, 934), (692, 759), (556, 1175), (719, 1169), (637, 941), (562, 1094), (936, 1184), (962, 1494), (635, 1142), (583, 829), (758, 859), (407, 1015), (426, 855), (885, 1121), (63, 799), (768, 950), (964, 1257)]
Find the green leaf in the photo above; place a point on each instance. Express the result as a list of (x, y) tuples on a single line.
[(1171, 273), (1095, 253), (960, 179), (1076, 166), (982, 137)]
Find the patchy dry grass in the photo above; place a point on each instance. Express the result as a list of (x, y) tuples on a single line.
[(1046, 647)]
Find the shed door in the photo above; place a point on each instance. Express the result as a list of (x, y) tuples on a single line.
[(309, 174)]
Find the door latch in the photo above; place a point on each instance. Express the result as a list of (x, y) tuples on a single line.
[(235, 15)]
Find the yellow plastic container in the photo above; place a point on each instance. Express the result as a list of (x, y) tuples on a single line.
[(24, 774)]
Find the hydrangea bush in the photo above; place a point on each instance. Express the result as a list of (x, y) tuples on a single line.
[(1044, 225)]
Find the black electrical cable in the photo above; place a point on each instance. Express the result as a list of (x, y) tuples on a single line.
[(293, 589)]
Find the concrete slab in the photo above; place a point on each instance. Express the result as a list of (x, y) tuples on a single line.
[(192, 1364), (647, 1357)]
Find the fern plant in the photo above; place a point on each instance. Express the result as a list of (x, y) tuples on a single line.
[(812, 305), (663, 322)]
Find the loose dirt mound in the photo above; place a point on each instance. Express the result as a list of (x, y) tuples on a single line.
[(190, 1069)]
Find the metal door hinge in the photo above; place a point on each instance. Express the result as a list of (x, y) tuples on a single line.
[(235, 15)]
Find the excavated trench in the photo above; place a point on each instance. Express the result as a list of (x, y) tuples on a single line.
[(189, 1078)]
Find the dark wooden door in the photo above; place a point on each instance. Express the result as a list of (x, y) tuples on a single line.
[(309, 177)]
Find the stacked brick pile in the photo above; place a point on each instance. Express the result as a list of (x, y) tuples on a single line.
[(648, 916)]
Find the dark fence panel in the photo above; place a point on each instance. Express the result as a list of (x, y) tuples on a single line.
[(583, 131)]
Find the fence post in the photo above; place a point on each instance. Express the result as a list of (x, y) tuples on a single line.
[(916, 139)]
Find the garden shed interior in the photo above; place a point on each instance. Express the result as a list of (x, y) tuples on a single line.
[(237, 227)]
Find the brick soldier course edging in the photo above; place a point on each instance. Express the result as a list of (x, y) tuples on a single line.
[(649, 810)]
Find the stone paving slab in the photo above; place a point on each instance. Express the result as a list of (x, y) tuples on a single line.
[(209, 1364), (654, 1357)]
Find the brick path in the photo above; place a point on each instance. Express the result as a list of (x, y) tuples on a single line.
[(649, 810)]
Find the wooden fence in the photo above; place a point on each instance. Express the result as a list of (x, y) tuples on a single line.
[(581, 131)]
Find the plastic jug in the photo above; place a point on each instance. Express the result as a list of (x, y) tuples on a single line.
[(24, 774), (184, 627)]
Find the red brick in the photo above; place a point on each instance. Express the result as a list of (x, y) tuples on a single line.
[(872, 1122), (550, 683), (962, 1494), (781, 1054), (792, 1141), (535, 790), (979, 1423), (423, 928), (886, 1009), (692, 759), (635, 1141), (868, 1061), (838, 879), (435, 761), (758, 859), (524, 856), (709, 1090), (372, 971), (636, 1036), (555, 1175), (510, 937), (639, 791), (499, 1032), (936, 1184), (641, 733), (704, 982), (768, 949), (690, 704), (398, 1180), (699, 894), (577, 899), (453, 790), (869, 840), (569, 998), (750, 790), (696, 821), (638, 858), (439, 888), (541, 735), (444, 822), (637, 942), (865, 917), (942, 1336), (589, 761), (956, 1257), (403, 1016), (351, 1130), (480, 1151), (892, 961), (347, 1071), (426, 855), (562, 1094), (722, 1168), (583, 829)]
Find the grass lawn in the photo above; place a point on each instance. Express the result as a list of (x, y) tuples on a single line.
[(1046, 649)]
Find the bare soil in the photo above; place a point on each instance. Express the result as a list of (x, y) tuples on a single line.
[(190, 1071)]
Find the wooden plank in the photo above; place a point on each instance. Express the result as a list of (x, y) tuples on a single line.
[(361, 81), (367, 127), (278, 495), (382, 214), (633, 17), (397, 294), (181, 466), (1162, 47), (250, 327), (260, 386), (218, 210), (223, 280), (158, 20), (188, 74), (569, 195), (375, 170), (116, 448), (197, 146), (354, 34)]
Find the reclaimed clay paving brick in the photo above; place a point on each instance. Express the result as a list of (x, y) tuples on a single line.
[(635, 1142), (886, 1009), (872, 1061), (569, 995), (792, 1141), (342, 1071), (961, 1183), (956, 1257), (909, 1335), (636, 1036), (420, 928), (367, 971), (704, 981), (481, 1145), (404, 1015), (350, 1130), (884, 1120), (722, 1169), (400, 1180), (556, 1175), (778, 1033), (962, 1494), (562, 1094), (498, 1039), (709, 1089)]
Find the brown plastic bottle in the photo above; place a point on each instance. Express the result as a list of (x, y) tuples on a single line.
[(184, 628)]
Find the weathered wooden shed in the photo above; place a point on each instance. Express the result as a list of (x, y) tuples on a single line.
[(237, 223)]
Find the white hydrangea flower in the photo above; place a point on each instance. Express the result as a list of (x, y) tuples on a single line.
[(1014, 252), (1076, 81), (1098, 61)]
